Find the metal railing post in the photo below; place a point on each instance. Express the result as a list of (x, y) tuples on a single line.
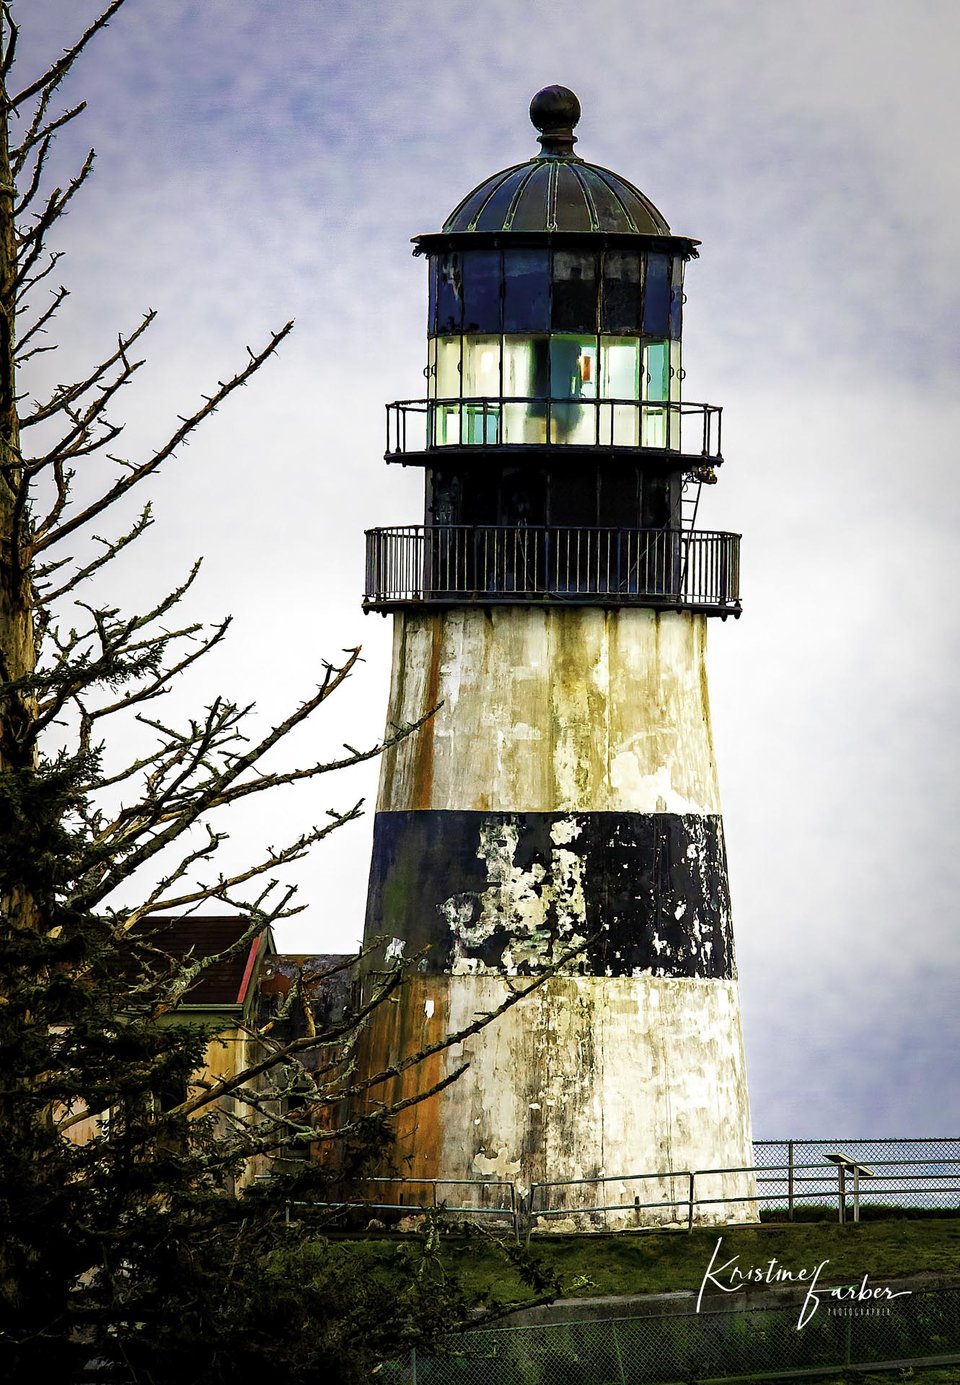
[(692, 1176), (531, 1215), (616, 1348), (790, 1180)]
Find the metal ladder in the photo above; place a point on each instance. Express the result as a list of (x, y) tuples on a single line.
[(689, 500)]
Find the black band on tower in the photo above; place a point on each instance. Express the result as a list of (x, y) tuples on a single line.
[(509, 892)]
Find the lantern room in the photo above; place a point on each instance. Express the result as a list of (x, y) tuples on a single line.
[(553, 397)]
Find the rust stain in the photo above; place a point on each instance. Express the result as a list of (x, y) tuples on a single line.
[(389, 759), (395, 1033), (423, 774)]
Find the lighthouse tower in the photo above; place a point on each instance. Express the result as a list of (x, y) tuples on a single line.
[(553, 608)]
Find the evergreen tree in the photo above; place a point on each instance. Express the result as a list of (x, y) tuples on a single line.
[(125, 1256)]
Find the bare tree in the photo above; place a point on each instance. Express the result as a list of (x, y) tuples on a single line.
[(121, 1247)]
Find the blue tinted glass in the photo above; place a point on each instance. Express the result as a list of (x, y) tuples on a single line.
[(481, 291), (620, 310), (656, 296), (432, 301), (676, 298), (574, 291), (526, 290), (449, 294)]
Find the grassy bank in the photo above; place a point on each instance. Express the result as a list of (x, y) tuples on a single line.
[(662, 1262)]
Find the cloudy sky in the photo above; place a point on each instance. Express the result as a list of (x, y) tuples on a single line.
[(258, 162)]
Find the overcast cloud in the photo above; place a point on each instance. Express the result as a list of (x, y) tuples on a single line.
[(258, 162)]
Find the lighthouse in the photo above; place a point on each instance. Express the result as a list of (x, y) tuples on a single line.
[(561, 801)]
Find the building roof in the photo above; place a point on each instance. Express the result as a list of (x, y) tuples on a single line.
[(225, 982), (556, 190)]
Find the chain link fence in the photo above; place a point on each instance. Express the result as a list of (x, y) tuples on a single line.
[(902, 1173), (922, 1328), (786, 1177)]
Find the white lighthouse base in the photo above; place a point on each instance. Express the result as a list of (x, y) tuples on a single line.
[(589, 1078)]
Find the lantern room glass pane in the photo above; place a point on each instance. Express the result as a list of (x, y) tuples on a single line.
[(526, 290), (574, 291), (445, 422), (526, 366), (620, 305), (448, 368), (656, 388), (431, 371), (449, 293), (656, 370), (481, 291), (674, 420), (619, 359), (432, 297), (573, 367), (526, 383), (573, 377), (481, 367), (676, 298), (481, 390), (676, 374), (656, 296), (619, 380), (443, 382)]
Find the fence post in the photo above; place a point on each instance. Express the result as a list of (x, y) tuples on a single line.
[(691, 1177), (790, 1180), (413, 1366), (616, 1348)]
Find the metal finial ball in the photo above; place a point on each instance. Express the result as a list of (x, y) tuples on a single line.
[(555, 109)]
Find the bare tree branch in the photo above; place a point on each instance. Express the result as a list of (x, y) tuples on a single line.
[(139, 473), (55, 74)]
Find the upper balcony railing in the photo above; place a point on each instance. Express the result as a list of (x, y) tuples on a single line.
[(495, 564), (669, 427)]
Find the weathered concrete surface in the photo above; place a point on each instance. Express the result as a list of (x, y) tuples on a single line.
[(586, 1077), (586, 709), (580, 740)]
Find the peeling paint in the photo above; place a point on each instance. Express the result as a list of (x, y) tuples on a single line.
[(545, 710), (499, 1165), (565, 789), (650, 889)]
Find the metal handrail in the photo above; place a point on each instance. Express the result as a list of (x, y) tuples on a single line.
[(450, 564), (687, 1202), (504, 1187), (944, 1181), (939, 1176), (654, 425)]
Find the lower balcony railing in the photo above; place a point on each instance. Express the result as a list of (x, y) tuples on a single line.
[(684, 428), (451, 564)]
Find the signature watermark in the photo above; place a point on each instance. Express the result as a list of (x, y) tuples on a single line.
[(846, 1300)]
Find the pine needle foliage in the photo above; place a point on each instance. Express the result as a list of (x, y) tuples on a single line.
[(126, 1254)]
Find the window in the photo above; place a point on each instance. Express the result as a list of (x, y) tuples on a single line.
[(656, 296), (574, 291), (620, 307), (526, 290), (481, 291)]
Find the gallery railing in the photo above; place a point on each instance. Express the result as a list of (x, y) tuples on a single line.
[(673, 426), (448, 564)]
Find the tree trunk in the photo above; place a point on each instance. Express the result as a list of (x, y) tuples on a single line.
[(17, 635)]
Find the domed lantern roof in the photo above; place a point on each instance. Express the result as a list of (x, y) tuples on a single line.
[(556, 190)]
